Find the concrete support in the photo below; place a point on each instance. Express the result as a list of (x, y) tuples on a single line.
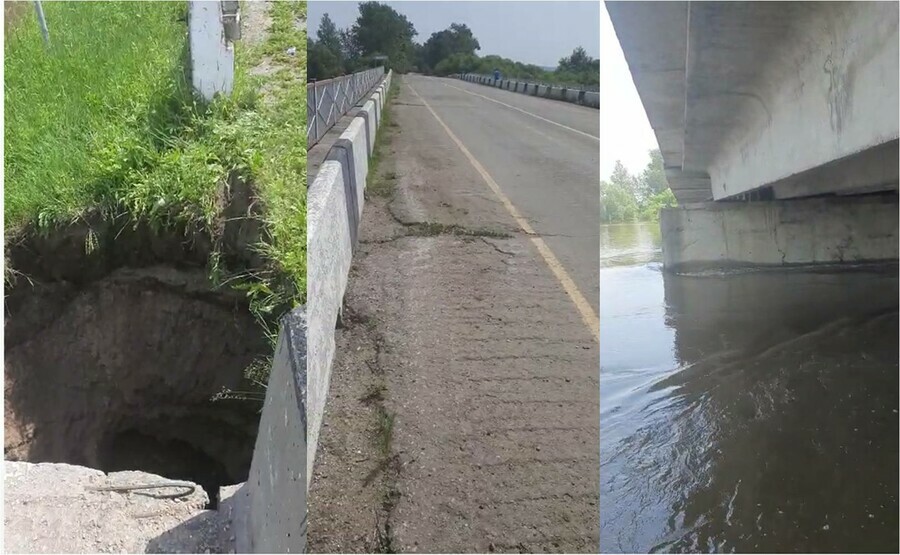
[(829, 230)]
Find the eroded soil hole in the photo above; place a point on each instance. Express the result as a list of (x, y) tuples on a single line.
[(119, 372)]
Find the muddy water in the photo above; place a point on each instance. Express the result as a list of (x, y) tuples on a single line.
[(745, 412)]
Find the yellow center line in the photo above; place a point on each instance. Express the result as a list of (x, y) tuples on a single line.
[(525, 112), (584, 307)]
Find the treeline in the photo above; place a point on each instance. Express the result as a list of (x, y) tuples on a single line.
[(380, 31), (630, 198)]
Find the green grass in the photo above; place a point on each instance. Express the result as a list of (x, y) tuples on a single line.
[(383, 185), (104, 98), (384, 436), (105, 121)]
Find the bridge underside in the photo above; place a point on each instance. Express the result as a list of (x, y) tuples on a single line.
[(767, 100)]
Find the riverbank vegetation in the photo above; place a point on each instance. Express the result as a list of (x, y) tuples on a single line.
[(630, 198), (381, 31)]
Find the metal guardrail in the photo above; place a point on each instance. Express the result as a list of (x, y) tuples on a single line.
[(327, 101), (587, 88)]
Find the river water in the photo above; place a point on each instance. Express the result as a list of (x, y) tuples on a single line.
[(746, 412)]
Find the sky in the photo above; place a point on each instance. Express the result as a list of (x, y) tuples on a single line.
[(538, 33), (625, 132)]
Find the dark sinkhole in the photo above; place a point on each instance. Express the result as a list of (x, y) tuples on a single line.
[(119, 372)]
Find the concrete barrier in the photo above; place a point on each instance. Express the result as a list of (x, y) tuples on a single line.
[(270, 508), (831, 230), (563, 94), (334, 208), (368, 112)]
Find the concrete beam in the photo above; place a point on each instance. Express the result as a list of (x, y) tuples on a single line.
[(755, 93)]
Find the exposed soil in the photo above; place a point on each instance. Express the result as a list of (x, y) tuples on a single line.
[(463, 407)]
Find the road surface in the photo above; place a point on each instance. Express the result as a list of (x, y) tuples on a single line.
[(463, 412)]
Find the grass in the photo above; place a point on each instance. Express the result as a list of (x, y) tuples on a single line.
[(385, 434), (433, 229), (383, 184), (105, 121), (103, 99)]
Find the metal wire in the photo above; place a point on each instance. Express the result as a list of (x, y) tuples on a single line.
[(327, 101)]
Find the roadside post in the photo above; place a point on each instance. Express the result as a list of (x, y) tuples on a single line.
[(42, 22), (213, 28)]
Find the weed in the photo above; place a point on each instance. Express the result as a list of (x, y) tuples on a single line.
[(383, 185), (431, 229), (385, 433)]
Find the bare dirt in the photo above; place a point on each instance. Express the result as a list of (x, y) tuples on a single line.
[(463, 410)]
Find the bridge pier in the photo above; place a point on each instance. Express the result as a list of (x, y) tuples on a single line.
[(824, 230)]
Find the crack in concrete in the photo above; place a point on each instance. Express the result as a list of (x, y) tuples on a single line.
[(496, 248)]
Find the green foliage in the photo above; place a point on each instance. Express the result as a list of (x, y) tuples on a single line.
[(106, 120), (627, 198), (617, 203), (455, 41), (579, 61), (379, 30), (107, 99), (509, 69), (328, 36), (654, 175), (652, 206)]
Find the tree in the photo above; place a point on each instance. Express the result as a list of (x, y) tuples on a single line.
[(456, 40), (322, 63), (621, 177), (653, 178), (328, 36), (380, 30), (324, 56), (617, 203), (349, 50), (577, 62)]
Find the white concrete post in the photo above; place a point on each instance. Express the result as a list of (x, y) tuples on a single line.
[(212, 54)]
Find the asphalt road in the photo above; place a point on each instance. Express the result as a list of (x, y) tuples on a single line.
[(463, 411), (544, 154)]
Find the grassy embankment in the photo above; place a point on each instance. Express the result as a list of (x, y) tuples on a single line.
[(104, 122)]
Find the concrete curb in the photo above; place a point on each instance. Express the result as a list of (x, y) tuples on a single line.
[(590, 99), (334, 209)]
